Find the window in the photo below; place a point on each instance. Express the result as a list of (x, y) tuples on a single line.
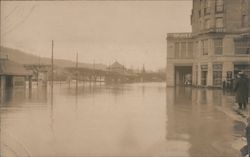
[(219, 23), (207, 7), (199, 13), (204, 47), (244, 21), (242, 45), (204, 69), (183, 50), (217, 74), (219, 6), (218, 47), (207, 23)]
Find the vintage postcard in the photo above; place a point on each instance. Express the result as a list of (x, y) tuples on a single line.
[(124, 78)]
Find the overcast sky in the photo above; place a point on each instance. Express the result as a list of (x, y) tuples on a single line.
[(131, 32)]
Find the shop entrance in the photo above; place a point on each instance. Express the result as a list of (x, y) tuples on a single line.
[(183, 75)]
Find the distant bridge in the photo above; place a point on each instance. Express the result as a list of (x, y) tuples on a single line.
[(100, 75), (92, 74), (83, 73)]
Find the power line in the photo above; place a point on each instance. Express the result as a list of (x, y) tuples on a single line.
[(19, 23), (11, 12)]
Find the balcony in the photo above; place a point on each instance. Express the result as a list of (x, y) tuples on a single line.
[(219, 30), (179, 35), (219, 8), (210, 30)]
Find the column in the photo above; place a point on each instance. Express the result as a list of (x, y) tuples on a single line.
[(194, 75), (170, 74), (210, 74), (199, 74)]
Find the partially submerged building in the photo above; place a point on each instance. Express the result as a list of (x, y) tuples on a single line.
[(217, 48), (12, 74)]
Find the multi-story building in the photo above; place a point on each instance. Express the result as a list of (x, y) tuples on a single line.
[(217, 48)]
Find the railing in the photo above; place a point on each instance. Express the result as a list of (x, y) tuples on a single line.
[(219, 30), (179, 35), (210, 30)]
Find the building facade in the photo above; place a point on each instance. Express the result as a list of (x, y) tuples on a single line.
[(12, 75), (217, 48)]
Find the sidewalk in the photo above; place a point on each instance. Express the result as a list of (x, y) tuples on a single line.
[(232, 111)]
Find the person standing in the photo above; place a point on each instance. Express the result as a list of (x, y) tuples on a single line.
[(241, 89)]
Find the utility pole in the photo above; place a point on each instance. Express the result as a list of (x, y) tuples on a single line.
[(38, 69), (52, 66), (52, 84), (76, 70), (94, 79)]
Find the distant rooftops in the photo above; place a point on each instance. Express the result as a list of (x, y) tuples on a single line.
[(116, 65)]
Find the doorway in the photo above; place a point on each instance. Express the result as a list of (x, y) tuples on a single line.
[(183, 75)]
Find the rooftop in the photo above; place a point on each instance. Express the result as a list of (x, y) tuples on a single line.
[(116, 65), (8, 67)]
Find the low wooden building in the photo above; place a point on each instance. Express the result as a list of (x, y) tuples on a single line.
[(12, 74)]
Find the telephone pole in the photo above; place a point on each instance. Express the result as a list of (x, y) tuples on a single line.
[(52, 66), (76, 70)]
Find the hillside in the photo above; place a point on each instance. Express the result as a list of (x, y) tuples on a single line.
[(25, 58)]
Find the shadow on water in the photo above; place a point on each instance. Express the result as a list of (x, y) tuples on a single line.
[(193, 117)]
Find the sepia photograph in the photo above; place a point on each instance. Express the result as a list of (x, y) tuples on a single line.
[(124, 78)]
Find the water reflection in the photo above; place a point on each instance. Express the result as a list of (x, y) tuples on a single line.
[(117, 120), (11, 95), (193, 117)]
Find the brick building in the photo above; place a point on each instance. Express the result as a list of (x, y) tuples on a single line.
[(217, 48)]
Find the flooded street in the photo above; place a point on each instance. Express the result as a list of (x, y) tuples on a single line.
[(117, 120)]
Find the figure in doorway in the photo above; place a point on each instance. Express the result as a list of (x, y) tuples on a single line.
[(241, 89)]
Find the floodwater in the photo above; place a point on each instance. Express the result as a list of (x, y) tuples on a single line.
[(116, 120)]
